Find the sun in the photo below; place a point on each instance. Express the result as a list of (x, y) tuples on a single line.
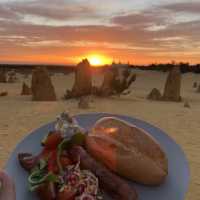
[(97, 60)]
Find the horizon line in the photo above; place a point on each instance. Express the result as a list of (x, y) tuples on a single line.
[(73, 65)]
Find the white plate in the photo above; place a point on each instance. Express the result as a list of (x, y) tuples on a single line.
[(174, 188)]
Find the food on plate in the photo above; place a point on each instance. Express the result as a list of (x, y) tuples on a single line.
[(27, 161), (52, 173), (109, 181), (127, 150), (78, 165)]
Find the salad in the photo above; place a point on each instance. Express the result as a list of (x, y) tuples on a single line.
[(52, 174)]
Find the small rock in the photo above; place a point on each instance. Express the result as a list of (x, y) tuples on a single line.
[(83, 103), (154, 95), (195, 85), (3, 94), (186, 104), (26, 90)]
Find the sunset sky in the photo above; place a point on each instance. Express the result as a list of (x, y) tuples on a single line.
[(64, 31)]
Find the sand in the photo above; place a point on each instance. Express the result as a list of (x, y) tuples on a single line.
[(19, 115)]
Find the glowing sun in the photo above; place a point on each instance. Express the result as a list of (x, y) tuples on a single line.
[(98, 60), (95, 61)]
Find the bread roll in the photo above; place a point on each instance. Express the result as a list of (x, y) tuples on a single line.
[(127, 150)]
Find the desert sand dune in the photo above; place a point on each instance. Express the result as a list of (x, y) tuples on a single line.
[(20, 115)]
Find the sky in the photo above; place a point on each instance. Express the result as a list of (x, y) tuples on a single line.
[(65, 31)]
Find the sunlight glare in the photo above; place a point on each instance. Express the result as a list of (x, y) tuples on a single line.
[(98, 60)]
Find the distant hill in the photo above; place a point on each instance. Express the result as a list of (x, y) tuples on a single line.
[(185, 67), (66, 69), (27, 68)]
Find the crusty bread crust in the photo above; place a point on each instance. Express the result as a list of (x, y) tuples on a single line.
[(128, 150)]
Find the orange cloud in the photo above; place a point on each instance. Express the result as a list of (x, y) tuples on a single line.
[(66, 32)]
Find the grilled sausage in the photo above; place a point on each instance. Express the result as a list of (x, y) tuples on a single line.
[(27, 161), (109, 181)]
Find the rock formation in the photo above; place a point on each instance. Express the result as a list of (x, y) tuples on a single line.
[(12, 77), (3, 77), (26, 90), (107, 85), (83, 81), (112, 84), (42, 87), (198, 89), (115, 83), (154, 95), (195, 85), (173, 86)]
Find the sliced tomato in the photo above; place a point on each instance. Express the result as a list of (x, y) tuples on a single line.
[(53, 140), (52, 162)]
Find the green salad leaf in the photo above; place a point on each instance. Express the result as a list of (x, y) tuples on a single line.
[(42, 164), (52, 178), (38, 177), (67, 143)]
